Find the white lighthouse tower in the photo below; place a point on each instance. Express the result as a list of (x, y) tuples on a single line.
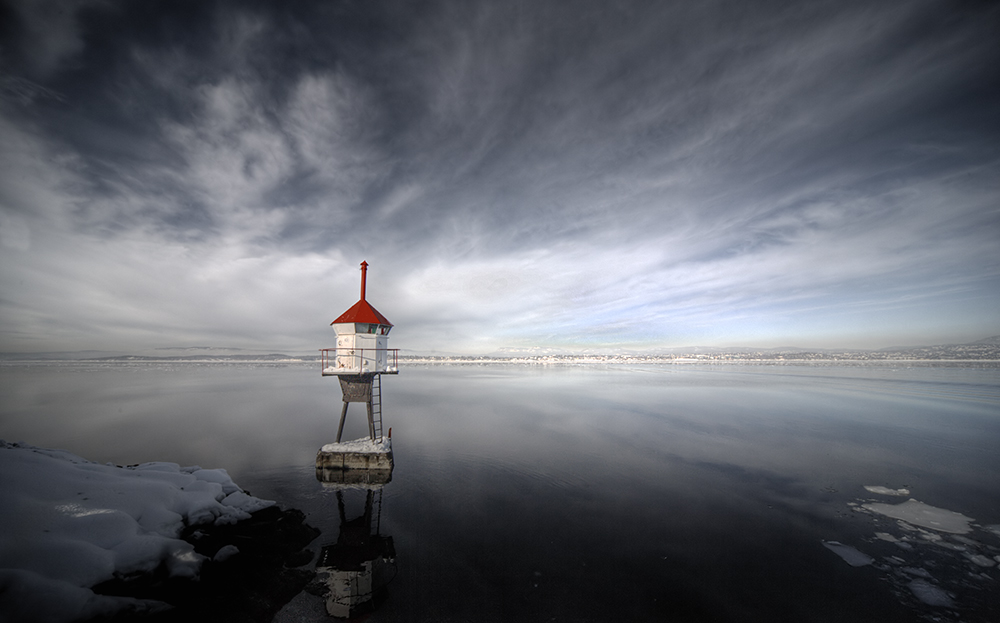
[(360, 359)]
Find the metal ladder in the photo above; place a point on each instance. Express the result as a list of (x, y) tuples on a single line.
[(377, 406)]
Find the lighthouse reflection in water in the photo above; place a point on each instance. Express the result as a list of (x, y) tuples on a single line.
[(358, 567)]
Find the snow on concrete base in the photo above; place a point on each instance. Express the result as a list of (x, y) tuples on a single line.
[(364, 446), (69, 524), (362, 454)]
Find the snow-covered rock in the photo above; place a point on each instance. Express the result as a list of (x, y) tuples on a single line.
[(67, 523)]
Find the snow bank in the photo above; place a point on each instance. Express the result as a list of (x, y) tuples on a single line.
[(68, 524)]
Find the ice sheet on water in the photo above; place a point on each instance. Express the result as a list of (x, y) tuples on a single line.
[(70, 523), (886, 491), (962, 555), (925, 515), (917, 571), (930, 594), (979, 559), (850, 555)]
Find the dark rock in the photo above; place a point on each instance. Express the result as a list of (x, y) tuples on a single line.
[(249, 586)]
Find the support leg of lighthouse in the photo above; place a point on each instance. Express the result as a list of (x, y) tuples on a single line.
[(362, 460), (343, 417), (358, 388)]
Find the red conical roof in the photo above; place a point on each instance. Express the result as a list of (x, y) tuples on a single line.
[(362, 311)]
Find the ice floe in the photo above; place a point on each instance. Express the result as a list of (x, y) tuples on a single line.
[(886, 491), (925, 515), (69, 524), (979, 559), (934, 558), (850, 555), (885, 536), (917, 571), (930, 594)]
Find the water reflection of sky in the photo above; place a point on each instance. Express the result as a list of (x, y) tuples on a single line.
[(693, 492)]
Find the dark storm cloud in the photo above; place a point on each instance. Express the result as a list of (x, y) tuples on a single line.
[(518, 172)]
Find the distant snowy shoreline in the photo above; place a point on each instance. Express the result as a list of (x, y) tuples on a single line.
[(726, 358), (985, 351)]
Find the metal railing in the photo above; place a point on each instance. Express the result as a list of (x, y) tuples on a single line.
[(335, 361)]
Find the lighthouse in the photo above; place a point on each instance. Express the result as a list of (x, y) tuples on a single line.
[(359, 360), (362, 340)]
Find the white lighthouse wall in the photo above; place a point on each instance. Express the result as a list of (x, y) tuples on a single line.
[(344, 328), (361, 352), (372, 352)]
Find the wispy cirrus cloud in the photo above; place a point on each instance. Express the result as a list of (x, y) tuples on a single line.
[(573, 175)]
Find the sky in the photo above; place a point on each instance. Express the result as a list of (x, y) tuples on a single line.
[(579, 176)]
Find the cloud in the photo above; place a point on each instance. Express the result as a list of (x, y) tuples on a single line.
[(513, 173), (49, 32)]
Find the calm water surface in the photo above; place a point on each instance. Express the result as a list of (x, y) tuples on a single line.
[(641, 492)]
